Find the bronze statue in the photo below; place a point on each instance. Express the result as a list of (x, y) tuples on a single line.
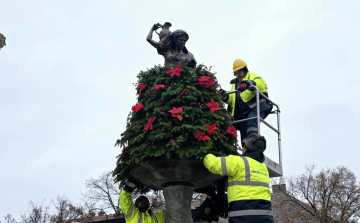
[(2, 41), (172, 45), (165, 34)]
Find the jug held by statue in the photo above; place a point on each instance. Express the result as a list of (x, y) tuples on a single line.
[(165, 34)]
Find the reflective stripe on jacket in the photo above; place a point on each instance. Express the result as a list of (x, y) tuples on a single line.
[(249, 96), (248, 185), (133, 215)]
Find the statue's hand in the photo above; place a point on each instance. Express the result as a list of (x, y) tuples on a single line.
[(156, 26)]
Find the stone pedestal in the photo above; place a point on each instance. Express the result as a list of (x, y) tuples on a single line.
[(178, 204), (178, 179)]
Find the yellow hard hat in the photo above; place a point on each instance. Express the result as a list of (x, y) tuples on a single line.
[(238, 64)]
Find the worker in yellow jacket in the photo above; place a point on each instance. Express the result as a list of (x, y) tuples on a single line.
[(242, 104), (140, 211), (249, 194)]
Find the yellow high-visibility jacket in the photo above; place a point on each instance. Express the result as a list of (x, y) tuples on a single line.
[(132, 213), (249, 96), (248, 186)]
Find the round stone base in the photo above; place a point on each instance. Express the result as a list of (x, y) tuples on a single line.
[(163, 173)]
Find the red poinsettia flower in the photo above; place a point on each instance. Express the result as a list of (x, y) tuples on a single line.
[(176, 71), (213, 106), (207, 81), (176, 112), (201, 135), (157, 87), (232, 131), (141, 87), (211, 129), (184, 91), (124, 151), (149, 124), (137, 107)]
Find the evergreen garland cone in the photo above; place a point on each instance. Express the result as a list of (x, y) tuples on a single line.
[(179, 115)]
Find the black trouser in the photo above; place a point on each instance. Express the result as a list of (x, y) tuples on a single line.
[(246, 128), (252, 219)]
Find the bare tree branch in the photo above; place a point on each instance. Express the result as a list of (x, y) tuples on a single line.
[(332, 195), (37, 214), (9, 219), (102, 193), (66, 212)]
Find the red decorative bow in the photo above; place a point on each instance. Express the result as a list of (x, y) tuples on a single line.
[(207, 81), (176, 112), (176, 71), (141, 87), (201, 135), (211, 129), (213, 106), (157, 87), (149, 124), (137, 107), (232, 131), (184, 91)]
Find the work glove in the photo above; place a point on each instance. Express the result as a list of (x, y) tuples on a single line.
[(245, 84), (130, 185), (225, 97), (242, 87)]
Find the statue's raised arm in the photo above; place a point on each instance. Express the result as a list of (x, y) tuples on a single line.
[(149, 37), (172, 45)]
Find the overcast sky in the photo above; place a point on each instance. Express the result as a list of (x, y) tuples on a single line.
[(68, 67)]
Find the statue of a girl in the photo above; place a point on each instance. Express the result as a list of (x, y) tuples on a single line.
[(2, 41), (172, 47)]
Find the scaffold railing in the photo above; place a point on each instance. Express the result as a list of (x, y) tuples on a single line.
[(275, 169)]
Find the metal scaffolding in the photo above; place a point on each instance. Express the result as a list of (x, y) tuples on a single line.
[(275, 169)]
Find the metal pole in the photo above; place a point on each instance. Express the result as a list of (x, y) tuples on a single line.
[(270, 126), (279, 135), (260, 93), (266, 98), (257, 108), (243, 120), (231, 92)]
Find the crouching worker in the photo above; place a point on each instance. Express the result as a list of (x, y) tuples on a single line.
[(248, 181), (140, 211)]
